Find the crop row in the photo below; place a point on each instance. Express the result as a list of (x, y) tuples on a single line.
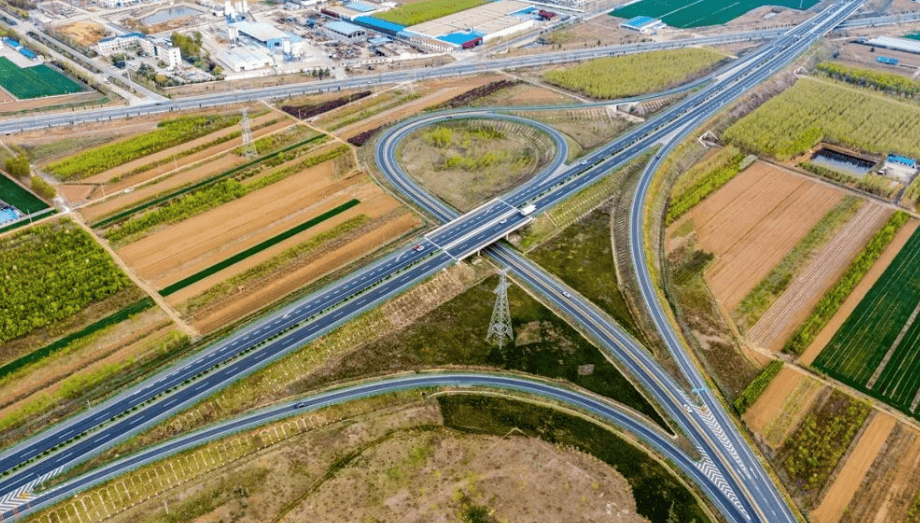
[(831, 302), (51, 272), (772, 286), (462, 100), (310, 247), (42, 353), (814, 111), (210, 197), (420, 12), (629, 75), (882, 322), (818, 444), (310, 110), (754, 389), (168, 134)]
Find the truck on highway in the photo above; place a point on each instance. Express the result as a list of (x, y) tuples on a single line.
[(527, 209)]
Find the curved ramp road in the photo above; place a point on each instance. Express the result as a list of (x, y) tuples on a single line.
[(750, 494), (614, 414)]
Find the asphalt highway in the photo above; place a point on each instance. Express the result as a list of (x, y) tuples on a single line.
[(396, 77), (613, 414), (255, 346)]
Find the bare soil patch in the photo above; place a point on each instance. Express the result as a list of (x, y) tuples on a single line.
[(851, 474), (795, 304), (857, 295), (84, 32), (588, 128), (778, 411), (752, 222)]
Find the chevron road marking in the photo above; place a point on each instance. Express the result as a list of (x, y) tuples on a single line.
[(708, 468), (23, 495)]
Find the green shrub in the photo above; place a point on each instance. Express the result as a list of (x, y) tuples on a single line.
[(754, 389)]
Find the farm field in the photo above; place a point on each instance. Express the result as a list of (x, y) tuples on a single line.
[(702, 12), (629, 75), (871, 123), (13, 194), (415, 13), (877, 349), (855, 297), (34, 82), (334, 214), (752, 222), (791, 308), (874, 481)]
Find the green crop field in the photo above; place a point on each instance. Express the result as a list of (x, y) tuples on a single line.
[(814, 111), (877, 349), (629, 75), (679, 13), (13, 194), (34, 82), (420, 12)]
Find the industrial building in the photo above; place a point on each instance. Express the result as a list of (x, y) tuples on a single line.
[(267, 36), (643, 24), (351, 10), (472, 27), (896, 44), (345, 31), (244, 59), (161, 49)]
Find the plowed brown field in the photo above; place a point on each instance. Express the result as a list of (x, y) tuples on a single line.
[(175, 252), (752, 222), (795, 304), (838, 496)]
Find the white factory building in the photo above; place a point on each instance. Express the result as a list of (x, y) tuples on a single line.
[(240, 59), (161, 49), (267, 36)]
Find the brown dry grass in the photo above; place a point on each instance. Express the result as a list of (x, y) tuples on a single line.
[(857, 295), (378, 459), (752, 222), (851, 474)]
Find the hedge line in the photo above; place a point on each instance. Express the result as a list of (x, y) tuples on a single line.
[(754, 389), (831, 302)]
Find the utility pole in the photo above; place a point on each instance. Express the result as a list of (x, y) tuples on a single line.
[(500, 331), (249, 148)]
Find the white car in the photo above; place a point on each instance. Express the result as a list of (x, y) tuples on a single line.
[(567, 294)]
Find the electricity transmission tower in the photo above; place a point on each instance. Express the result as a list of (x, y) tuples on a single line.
[(249, 149), (500, 331)]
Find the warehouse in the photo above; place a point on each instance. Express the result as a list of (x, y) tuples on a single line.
[(268, 36), (897, 44), (643, 24), (345, 31), (243, 59)]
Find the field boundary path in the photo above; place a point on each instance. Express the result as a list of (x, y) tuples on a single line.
[(150, 291)]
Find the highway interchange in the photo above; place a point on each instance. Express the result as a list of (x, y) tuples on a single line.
[(729, 472)]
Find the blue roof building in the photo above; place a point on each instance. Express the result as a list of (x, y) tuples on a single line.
[(643, 24)]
